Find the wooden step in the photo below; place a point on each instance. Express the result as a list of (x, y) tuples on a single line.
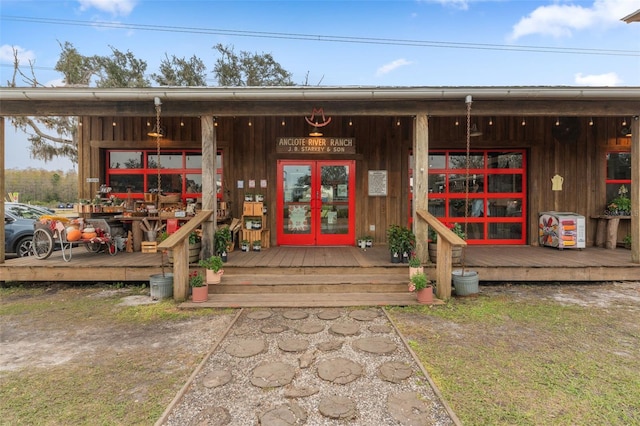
[(293, 300)]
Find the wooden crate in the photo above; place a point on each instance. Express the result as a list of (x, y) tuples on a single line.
[(251, 236), (251, 209), (266, 238), (149, 247)]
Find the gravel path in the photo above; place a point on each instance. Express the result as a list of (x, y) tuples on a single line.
[(309, 367)]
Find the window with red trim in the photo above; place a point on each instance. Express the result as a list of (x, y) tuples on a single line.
[(180, 172), (493, 213), (618, 173)]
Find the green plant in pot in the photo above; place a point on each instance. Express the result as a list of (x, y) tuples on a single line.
[(420, 284), (199, 289), (415, 266), (394, 241), (213, 266), (222, 241), (621, 205)]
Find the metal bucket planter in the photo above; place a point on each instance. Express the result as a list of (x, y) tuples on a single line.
[(465, 282), (161, 286)]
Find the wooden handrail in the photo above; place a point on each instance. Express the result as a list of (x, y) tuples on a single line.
[(178, 242), (446, 240)]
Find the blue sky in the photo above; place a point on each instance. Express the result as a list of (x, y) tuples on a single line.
[(334, 43)]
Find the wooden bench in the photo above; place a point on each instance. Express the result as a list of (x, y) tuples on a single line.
[(607, 230)]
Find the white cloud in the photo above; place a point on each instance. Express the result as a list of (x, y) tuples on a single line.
[(24, 56), (387, 68), (562, 19), (458, 4), (115, 7), (608, 79)]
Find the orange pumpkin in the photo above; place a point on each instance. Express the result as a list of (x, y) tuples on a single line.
[(88, 235), (73, 234)]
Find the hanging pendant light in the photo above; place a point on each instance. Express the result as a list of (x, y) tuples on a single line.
[(474, 132), (157, 131), (315, 131)]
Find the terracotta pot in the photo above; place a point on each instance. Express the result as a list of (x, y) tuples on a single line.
[(199, 294), (213, 277), (425, 295)]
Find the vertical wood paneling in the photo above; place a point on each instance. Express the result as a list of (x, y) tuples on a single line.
[(249, 153)]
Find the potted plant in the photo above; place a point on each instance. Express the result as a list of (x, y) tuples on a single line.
[(407, 243), (213, 266), (415, 266), (245, 245), (627, 241), (621, 205), (222, 240), (369, 240), (257, 245), (248, 197), (420, 284), (394, 240), (259, 198), (199, 289), (456, 251), (362, 242)]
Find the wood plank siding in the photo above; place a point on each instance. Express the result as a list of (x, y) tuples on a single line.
[(383, 142)]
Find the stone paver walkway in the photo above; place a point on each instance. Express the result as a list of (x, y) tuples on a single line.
[(310, 366)]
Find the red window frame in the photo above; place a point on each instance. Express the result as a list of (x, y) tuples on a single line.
[(491, 227), (147, 172)]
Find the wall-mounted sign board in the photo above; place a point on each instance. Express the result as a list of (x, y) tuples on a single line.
[(377, 183), (304, 145)]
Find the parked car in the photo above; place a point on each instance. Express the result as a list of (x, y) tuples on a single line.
[(19, 222)]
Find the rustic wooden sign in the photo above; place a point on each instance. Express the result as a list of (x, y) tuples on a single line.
[(315, 145)]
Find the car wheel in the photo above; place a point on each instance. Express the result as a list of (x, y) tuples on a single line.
[(23, 248)]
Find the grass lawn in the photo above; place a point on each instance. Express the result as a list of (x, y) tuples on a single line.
[(534, 355)]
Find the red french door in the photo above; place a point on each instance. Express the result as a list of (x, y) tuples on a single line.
[(315, 204)]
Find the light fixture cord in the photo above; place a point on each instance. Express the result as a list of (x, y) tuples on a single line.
[(466, 195), (158, 109)]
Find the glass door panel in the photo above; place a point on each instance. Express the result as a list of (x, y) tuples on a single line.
[(315, 203)]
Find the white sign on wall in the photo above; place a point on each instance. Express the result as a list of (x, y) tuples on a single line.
[(377, 183)]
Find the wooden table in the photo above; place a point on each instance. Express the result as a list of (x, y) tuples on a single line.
[(607, 230)]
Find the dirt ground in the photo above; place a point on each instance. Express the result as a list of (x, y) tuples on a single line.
[(48, 337), (26, 344)]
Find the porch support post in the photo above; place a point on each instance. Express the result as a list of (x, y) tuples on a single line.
[(2, 188), (421, 184), (209, 187), (635, 189)]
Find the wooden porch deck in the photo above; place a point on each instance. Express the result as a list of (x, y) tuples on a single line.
[(330, 276), (494, 264)]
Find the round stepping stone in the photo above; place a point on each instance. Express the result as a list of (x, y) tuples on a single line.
[(331, 345), (338, 407), (272, 374), (242, 330), (295, 315), (394, 372), (213, 416), (310, 328), (380, 328), (216, 378), (339, 370), (291, 391), (293, 345), (364, 315), (375, 345), (408, 409), (258, 315), (274, 329), (345, 328), (244, 348), (283, 415), (328, 315)]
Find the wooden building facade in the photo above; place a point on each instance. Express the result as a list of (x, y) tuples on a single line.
[(382, 153)]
